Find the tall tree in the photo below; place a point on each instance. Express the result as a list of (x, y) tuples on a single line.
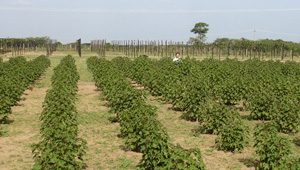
[(200, 29)]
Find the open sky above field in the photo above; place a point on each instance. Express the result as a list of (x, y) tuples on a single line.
[(67, 20)]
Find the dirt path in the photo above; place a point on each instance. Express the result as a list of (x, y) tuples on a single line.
[(15, 145), (104, 145)]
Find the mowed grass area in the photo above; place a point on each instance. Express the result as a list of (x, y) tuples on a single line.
[(105, 148)]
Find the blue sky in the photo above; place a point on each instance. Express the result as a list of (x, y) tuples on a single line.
[(67, 20)]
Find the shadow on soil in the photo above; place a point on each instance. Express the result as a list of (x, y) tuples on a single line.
[(248, 162), (297, 141)]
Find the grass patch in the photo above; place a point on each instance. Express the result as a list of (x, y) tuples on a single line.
[(124, 163)]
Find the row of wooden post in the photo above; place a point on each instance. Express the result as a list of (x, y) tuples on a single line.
[(99, 46), (21, 49), (134, 48)]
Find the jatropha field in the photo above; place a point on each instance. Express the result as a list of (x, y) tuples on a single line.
[(70, 112)]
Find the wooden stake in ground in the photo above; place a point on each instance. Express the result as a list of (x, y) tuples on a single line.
[(78, 47)]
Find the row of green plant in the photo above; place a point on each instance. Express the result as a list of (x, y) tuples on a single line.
[(60, 147), (15, 77), (274, 151), (215, 117), (139, 127), (268, 90), (188, 90)]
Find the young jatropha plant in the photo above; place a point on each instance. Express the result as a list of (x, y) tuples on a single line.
[(233, 136), (227, 124), (139, 126), (286, 114), (15, 76), (272, 150), (260, 104), (216, 116), (60, 147), (194, 99), (133, 122)]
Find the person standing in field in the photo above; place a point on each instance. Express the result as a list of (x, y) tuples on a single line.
[(177, 58)]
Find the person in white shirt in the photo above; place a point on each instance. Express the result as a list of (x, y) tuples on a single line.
[(177, 59)]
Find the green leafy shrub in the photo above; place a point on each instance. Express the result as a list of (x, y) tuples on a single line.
[(260, 105), (133, 122), (185, 159), (15, 77), (60, 148), (272, 149), (215, 117), (139, 127), (287, 114), (231, 91), (194, 100), (172, 157), (233, 136), (292, 162)]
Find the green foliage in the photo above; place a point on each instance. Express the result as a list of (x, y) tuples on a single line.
[(139, 126), (260, 105), (18, 42), (193, 100), (2, 131), (205, 90), (200, 29), (292, 163), (60, 148), (233, 136), (231, 91), (133, 123), (216, 116), (172, 157), (15, 77), (260, 85), (263, 46), (182, 158), (287, 115), (273, 150)]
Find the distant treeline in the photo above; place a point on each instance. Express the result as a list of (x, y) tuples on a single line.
[(221, 47), (19, 46), (260, 47)]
